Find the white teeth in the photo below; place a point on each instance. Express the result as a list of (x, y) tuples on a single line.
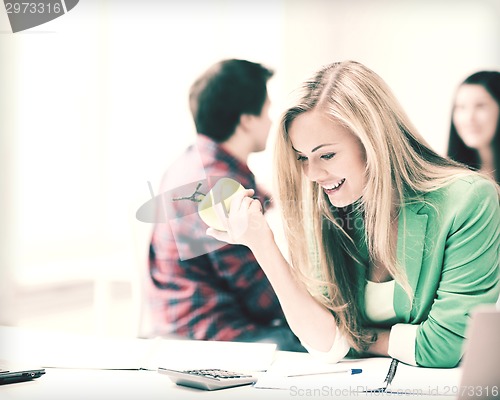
[(334, 186)]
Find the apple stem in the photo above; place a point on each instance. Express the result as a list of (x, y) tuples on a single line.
[(193, 197)]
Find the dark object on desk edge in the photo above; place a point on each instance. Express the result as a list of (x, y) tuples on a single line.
[(208, 379), (13, 373), (388, 379)]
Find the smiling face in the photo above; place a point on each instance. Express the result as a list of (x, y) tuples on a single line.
[(475, 116), (330, 155)]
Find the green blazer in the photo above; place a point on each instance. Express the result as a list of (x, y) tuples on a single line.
[(449, 246)]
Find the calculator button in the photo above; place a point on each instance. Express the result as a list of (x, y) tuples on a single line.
[(208, 379)]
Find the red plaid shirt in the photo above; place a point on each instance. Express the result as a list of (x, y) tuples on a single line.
[(201, 288)]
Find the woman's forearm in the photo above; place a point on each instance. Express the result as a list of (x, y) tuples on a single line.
[(313, 324), (380, 346)]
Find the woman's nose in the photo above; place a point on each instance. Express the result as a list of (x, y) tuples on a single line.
[(468, 115), (315, 172)]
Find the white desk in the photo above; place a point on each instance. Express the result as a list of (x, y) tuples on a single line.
[(75, 383), (148, 385)]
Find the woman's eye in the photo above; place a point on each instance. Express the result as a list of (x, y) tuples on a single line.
[(328, 156), (301, 158)]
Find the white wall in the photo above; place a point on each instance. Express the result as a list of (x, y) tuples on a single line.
[(94, 103), (423, 49)]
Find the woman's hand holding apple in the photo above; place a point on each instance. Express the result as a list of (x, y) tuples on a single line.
[(244, 223)]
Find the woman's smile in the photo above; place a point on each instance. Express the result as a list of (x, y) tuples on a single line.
[(332, 188)]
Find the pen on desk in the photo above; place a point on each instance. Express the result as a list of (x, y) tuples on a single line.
[(352, 371), (392, 372)]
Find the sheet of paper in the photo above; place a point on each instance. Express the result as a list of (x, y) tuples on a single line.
[(418, 381), (52, 349), (278, 376), (184, 354), (407, 381)]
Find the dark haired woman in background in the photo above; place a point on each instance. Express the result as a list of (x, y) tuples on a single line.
[(474, 134)]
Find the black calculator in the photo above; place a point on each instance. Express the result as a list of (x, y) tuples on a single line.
[(208, 379)]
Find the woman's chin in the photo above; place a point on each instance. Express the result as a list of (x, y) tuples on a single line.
[(342, 202)]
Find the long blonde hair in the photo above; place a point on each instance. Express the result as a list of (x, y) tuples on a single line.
[(399, 166)]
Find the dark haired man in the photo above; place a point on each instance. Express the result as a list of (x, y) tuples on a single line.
[(200, 288)]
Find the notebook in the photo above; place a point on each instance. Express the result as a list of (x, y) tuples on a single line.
[(480, 363), (478, 375), (11, 373), (479, 372)]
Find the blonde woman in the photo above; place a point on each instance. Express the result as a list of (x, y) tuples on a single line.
[(390, 245)]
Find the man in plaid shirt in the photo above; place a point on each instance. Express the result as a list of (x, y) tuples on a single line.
[(201, 288)]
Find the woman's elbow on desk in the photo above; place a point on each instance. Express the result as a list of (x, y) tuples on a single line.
[(338, 351)]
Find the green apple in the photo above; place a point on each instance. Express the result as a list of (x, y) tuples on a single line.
[(222, 192)]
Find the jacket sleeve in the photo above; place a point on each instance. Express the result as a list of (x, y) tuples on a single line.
[(469, 275)]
